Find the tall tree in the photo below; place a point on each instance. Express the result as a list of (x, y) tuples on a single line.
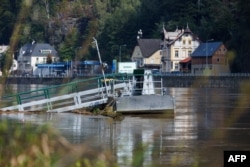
[(8, 16)]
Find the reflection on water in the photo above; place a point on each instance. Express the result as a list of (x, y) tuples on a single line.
[(197, 134)]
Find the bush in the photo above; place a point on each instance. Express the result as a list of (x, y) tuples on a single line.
[(31, 145)]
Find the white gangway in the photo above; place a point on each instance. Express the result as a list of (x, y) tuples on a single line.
[(43, 99)]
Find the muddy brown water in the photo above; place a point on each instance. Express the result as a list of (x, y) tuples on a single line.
[(206, 122)]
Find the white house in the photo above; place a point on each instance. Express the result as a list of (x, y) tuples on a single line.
[(35, 53), (4, 49), (177, 46)]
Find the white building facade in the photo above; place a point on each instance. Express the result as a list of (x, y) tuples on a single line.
[(177, 46), (32, 54)]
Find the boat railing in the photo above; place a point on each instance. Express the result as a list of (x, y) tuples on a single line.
[(131, 87), (157, 87)]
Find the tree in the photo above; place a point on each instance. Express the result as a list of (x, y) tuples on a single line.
[(49, 59)]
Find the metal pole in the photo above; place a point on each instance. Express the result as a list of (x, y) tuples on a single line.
[(76, 57), (207, 52), (206, 57), (100, 60), (120, 52)]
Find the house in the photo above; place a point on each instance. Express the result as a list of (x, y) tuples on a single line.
[(147, 53), (177, 46), (210, 57), (6, 49), (30, 55), (3, 49)]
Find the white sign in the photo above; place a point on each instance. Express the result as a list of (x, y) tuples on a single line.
[(126, 67)]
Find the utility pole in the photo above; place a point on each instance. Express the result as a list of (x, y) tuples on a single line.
[(120, 52), (100, 60)]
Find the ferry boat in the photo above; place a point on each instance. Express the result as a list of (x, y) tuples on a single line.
[(143, 94)]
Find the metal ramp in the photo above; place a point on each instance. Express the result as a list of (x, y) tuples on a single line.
[(65, 97)]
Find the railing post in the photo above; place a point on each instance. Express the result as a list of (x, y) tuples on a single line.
[(19, 102), (74, 87), (18, 99), (47, 96), (46, 93)]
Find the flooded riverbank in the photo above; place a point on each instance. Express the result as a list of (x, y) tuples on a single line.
[(207, 121)]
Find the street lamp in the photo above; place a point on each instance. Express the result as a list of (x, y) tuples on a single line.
[(139, 34), (76, 49), (75, 64), (120, 52), (209, 40), (100, 60)]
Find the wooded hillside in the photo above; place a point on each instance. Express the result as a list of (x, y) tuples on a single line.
[(69, 25)]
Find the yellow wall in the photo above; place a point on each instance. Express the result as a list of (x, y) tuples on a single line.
[(154, 59)]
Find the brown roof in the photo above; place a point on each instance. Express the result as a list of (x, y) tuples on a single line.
[(149, 46)]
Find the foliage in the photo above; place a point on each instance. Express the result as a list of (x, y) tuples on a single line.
[(49, 59), (70, 24), (44, 147)]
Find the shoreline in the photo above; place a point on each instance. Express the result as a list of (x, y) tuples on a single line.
[(168, 81)]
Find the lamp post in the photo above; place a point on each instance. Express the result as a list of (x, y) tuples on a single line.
[(100, 60), (209, 40), (120, 51), (139, 34), (76, 49)]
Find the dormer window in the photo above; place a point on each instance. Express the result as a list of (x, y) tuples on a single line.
[(46, 51)]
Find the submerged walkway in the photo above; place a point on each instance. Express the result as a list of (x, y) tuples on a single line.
[(64, 97)]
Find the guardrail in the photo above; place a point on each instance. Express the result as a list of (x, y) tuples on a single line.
[(64, 97), (49, 92)]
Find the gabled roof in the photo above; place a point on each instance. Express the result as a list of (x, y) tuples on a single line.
[(206, 49), (171, 37), (149, 46), (35, 49)]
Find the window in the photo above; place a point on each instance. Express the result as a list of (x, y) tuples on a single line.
[(46, 51), (44, 60), (184, 42), (176, 66), (189, 53), (37, 59), (183, 53), (218, 60), (176, 53), (189, 42)]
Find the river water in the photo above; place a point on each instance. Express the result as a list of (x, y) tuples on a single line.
[(206, 122)]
